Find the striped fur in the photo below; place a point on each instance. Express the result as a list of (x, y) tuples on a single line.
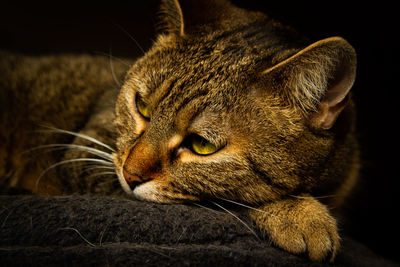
[(255, 89), (275, 105)]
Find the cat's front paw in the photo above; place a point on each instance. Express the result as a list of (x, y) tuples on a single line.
[(300, 225)]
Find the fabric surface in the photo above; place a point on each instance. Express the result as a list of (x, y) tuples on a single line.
[(96, 231)]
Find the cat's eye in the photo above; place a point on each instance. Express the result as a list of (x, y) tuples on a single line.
[(201, 146), (142, 108)]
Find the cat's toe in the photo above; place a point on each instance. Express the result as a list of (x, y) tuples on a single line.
[(288, 238), (300, 226), (322, 243)]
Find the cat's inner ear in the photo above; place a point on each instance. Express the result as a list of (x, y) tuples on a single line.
[(317, 80), (184, 16)]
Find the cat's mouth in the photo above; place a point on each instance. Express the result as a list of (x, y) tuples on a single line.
[(134, 180), (152, 190)]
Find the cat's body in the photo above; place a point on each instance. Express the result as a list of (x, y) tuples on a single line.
[(66, 92), (227, 104)]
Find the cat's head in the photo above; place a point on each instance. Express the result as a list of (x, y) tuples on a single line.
[(228, 103)]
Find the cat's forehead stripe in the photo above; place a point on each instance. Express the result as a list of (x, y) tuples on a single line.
[(179, 94), (180, 87)]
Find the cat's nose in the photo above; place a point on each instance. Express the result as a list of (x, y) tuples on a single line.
[(142, 164), (134, 180)]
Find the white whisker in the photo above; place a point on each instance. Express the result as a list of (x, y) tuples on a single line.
[(91, 167), (84, 136), (101, 161), (252, 208), (243, 205), (91, 150), (240, 220), (204, 207), (259, 210)]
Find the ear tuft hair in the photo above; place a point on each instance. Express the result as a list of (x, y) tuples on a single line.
[(317, 79), (309, 81)]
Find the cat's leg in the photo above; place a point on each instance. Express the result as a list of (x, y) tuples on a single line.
[(299, 225)]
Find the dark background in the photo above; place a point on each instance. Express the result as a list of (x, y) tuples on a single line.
[(105, 27)]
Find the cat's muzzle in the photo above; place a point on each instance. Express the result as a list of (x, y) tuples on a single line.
[(134, 180)]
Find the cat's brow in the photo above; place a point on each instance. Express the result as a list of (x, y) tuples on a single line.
[(174, 141), (168, 85), (186, 114)]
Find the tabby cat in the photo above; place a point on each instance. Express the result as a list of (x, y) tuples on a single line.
[(227, 104)]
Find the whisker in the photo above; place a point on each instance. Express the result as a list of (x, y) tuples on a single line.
[(112, 70), (83, 136), (113, 57), (131, 37), (79, 233), (106, 163), (252, 208), (100, 174), (246, 206), (91, 167), (282, 219), (96, 167), (204, 207), (91, 150), (240, 220), (102, 234), (317, 197)]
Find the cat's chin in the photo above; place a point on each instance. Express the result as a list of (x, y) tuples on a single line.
[(149, 192)]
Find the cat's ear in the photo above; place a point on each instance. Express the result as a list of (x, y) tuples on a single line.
[(317, 80), (184, 16)]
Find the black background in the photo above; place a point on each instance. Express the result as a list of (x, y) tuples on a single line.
[(371, 27)]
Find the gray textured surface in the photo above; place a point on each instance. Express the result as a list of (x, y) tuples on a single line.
[(93, 231)]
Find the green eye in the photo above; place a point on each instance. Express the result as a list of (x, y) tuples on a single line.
[(201, 146), (142, 108)]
